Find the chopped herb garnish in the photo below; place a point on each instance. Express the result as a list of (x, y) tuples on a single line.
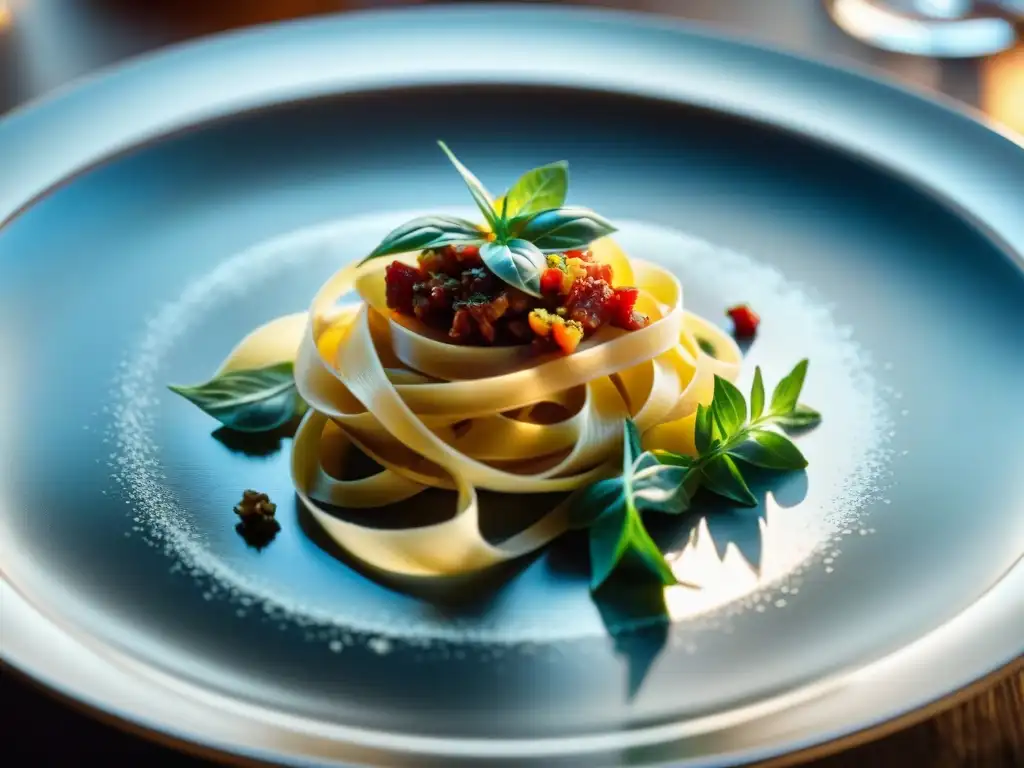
[(531, 219), (727, 438)]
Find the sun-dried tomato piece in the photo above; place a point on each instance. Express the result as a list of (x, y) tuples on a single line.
[(745, 320), (462, 326), (483, 313), (400, 280), (624, 314), (589, 303), (486, 314)]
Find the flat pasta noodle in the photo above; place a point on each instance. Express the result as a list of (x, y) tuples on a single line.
[(438, 415)]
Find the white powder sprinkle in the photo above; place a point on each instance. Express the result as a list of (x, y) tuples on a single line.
[(793, 538)]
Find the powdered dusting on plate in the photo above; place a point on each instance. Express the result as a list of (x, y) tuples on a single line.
[(747, 563)]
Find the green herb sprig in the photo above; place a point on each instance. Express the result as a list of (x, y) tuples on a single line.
[(531, 221), (257, 400), (726, 437), (611, 510)]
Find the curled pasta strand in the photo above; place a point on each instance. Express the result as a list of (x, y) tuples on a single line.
[(435, 414)]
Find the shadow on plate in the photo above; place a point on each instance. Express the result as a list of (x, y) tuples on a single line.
[(632, 605)]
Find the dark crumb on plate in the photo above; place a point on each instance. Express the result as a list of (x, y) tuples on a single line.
[(255, 505), (258, 526)]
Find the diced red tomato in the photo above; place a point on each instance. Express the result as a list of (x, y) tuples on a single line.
[(600, 272), (589, 303), (624, 314), (400, 280), (551, 280), (745, 321)]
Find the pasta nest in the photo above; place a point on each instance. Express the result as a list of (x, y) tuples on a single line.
[(434, 414)]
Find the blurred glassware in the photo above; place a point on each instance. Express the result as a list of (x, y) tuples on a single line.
[(937, 28)]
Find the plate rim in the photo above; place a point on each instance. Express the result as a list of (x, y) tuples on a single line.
[(119, 80)]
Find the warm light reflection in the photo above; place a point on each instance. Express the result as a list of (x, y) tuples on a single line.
[(6, 17), (725, 575), (970, 36), (1002, 88)]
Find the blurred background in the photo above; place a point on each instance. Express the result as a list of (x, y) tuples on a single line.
[(46, 43), (969, 51)]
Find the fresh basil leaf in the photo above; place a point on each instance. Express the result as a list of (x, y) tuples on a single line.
[(540, 189), (769, 450), (619, 534), (595, 500), (675, 459), (703, 429), (257, 400), (642, 549), (691, 483), (657, 488), (481, 196), (426, 232), (728, 407), (609, 540), (757, 395), (560, 229), (801, 417), (632, 445), (787, 393), (517, 263), (722, 476)]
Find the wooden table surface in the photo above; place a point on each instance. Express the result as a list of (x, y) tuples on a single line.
[(46, 43)]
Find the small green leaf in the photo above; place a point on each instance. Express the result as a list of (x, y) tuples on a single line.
[(481, 196), (656, 487), (728, 407), (703, 429), (619, 534), (258, 400), (787, 393), (539, 189), (722, 476), (632, 445), (426, 232), (517, 263), (560, 229), (801, 417), (593, 501), (609, 540), (675, 459), (645, 551), (769, 450), (757, 395)]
